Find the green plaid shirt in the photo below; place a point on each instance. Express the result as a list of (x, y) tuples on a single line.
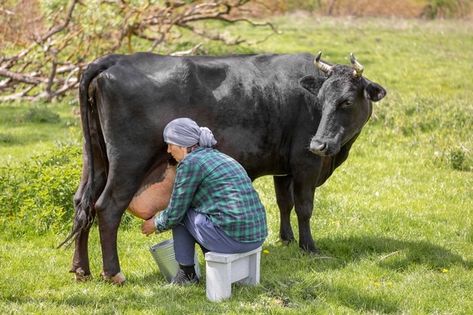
[(213, 183)]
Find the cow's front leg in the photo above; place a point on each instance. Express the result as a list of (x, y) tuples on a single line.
[(285, 199), (304, 202)]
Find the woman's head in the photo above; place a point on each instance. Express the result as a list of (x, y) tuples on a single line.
[(185, 133)]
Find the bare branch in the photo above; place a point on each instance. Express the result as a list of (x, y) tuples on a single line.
[(5, 83), (213, 36), (58, 28), (30, 79), (7, 12), (189, 52), (52, 74), (253, 23), (17, 96)]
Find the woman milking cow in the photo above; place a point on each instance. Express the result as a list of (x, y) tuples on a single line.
[(207, 199)]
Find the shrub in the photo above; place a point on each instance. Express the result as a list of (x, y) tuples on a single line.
[(37, 194)]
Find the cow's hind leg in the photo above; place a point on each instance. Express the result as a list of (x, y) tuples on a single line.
[(80, 262), (123, 181), (109, 213), (283, 186), (110, 207)]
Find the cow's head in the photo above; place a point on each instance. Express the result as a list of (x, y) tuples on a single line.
[(344, 97)]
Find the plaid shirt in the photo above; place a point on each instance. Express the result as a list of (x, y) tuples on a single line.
[(214, 184)]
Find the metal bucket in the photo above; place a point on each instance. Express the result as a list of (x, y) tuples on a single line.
[(163, 254)]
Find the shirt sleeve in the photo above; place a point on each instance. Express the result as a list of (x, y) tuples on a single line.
[(188, 179)]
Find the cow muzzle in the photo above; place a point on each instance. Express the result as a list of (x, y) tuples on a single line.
[(318, 147)]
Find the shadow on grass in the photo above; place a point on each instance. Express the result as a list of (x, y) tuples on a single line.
[(385, 252), (151, 278), (391, 253)]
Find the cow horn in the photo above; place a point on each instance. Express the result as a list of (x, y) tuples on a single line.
[(358, 67), (322, 65)]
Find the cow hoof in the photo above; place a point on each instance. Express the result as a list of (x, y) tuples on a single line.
[(81, 275), (287, 241), (118, 279), (311, 249)]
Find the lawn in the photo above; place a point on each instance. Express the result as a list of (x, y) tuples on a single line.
[(394, 223)]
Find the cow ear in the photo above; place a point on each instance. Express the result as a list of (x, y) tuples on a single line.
[(311, 84), (374, 91)]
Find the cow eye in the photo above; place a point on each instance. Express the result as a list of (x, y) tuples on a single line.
[(345, 104)]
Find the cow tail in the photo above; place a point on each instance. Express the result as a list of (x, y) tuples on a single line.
[(85, 212)]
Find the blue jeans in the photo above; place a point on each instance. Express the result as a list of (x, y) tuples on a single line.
[(197, 228)]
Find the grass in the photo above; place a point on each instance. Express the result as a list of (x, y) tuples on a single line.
[(28, 130), (394, 222)]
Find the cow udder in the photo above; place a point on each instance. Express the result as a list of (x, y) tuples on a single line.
[(153, 198)]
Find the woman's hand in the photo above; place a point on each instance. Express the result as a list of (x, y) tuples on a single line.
[(148, 227)]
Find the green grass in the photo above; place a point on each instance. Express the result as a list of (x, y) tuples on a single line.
[(30, 129), (394, 223)]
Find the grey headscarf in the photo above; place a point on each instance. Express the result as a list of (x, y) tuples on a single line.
[(185, 132)]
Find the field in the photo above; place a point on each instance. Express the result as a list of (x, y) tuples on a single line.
[(394, 223)]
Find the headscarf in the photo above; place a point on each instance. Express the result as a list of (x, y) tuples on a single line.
[(186, 133)]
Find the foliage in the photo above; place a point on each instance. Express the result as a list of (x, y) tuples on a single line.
[(37, 194), (446, 8)]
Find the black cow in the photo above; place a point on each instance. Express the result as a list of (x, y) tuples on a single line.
[(291, 116)]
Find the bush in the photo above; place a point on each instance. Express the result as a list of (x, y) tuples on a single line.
[(37, 194)]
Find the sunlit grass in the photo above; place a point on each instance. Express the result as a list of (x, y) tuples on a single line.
[(29, 129)]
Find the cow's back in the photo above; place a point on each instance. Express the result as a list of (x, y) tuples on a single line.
[(253, 103)]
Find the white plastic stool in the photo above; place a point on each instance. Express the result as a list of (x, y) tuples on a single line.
[(224, 269)]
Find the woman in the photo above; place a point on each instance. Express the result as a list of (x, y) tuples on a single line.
[(213, 202)]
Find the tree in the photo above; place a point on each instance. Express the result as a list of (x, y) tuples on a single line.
[(49, 66)]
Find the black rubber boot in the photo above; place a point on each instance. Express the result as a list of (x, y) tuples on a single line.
[(185, 275)]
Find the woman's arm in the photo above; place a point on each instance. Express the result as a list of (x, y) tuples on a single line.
[(188, 179)]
